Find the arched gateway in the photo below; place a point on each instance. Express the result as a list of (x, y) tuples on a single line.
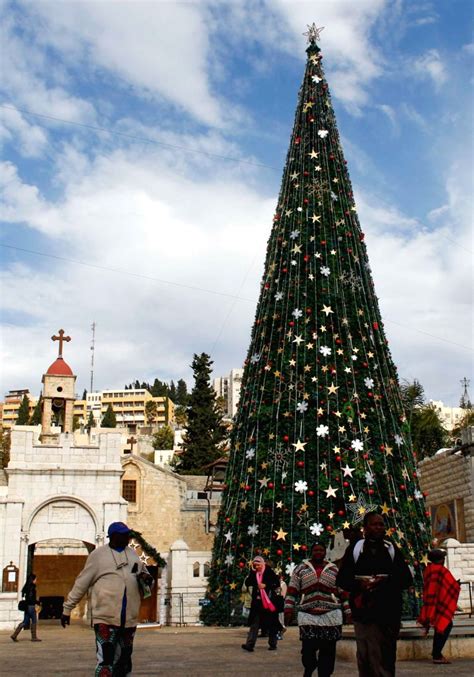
[(59, 500)]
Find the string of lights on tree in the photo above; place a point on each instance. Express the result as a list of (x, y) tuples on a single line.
[(320, 436)]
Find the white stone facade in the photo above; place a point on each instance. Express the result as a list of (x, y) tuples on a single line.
[(56, 492)]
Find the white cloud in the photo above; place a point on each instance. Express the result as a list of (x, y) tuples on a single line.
[(431, 66), (31, 79), (30, 138), (161, 49), (148, 216)]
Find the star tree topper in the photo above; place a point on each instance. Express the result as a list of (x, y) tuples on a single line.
[(313, 34)]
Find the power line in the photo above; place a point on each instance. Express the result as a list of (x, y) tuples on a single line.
[(119, 271), (142, 139)]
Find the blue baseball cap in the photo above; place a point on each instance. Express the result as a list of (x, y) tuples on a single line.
[(118, 528)]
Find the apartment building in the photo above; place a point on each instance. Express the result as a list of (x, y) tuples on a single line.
[(228, 387), (137, 408), (11, 404)]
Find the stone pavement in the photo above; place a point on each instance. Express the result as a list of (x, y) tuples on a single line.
[(178, 652)]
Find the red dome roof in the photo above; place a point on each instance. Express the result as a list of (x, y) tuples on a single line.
[(60, 368)]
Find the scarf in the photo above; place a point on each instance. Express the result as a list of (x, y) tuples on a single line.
[(440, 597), (266, 602)]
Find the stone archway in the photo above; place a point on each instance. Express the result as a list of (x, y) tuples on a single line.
[(61, 532)]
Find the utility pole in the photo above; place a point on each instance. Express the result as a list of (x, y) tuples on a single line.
[(92, 356)]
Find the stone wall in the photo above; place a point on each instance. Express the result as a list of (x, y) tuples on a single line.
[(460, 562), (160, 496), (447, 476)]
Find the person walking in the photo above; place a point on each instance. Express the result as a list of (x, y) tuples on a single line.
[(263, 611), (375, 573), (440, 598), (321, 611), (30, 618), (114, 575)]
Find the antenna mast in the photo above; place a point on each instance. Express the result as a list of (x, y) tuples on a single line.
[(92, 356), (465, 402)]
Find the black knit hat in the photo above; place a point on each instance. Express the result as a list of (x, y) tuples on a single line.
[(437, 555)]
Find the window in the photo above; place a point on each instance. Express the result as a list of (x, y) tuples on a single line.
[(129, 490), (207, 569), (196, 570)]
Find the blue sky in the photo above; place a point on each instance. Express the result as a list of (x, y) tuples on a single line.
[(222, 78)]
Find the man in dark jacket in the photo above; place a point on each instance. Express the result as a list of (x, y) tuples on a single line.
[(374, 572)]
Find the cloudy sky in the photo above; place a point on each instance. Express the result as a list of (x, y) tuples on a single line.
[(143, 145)]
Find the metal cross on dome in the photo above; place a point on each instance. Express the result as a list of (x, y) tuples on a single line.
[(313, 34), (61, 338)]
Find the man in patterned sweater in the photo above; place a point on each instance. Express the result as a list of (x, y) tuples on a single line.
[(322, 606)]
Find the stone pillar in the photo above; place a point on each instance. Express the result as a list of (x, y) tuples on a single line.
[(68, 416), (46, 416), (178, 589)]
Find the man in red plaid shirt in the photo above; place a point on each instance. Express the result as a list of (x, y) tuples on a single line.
[(440, 598)]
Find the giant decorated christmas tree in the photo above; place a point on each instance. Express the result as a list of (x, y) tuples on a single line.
[(320, 435)]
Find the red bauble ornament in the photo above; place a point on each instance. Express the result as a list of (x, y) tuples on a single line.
[(365, 456), (310, 492), (291, 323), (247, 487), (402, 487), (371, 491), (241, 565), (298, 139), (300, 464), (340, 513), (279, 551), (304, 547), (375, 325), (285, 438), (345, 484), (270, 485), (338, 458)]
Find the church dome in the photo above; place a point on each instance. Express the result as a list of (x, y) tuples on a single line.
[(60, 368)]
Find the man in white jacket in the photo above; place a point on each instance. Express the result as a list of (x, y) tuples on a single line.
[(112, 574)]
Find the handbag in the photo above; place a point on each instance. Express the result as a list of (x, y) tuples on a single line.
[(22, 605)]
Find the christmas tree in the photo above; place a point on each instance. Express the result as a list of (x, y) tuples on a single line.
[(320, 436)]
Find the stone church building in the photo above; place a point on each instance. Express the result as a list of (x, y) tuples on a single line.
[(61, 490)]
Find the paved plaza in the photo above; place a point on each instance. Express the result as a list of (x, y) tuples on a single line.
[(177, 652)]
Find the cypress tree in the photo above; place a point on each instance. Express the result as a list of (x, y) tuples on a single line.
[(109, 420), (36, 415), (23, 412), (204, 429)]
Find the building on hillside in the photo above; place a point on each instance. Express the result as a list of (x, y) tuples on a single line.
[(450, 416), (137, 408), (228, 387), (11, 404), (80, 412), (94, 405)]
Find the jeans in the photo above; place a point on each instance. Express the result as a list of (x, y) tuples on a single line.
[(30, 616), (439, 640)]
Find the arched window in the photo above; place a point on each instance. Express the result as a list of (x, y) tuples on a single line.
[(207, 569), (196, 570)]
